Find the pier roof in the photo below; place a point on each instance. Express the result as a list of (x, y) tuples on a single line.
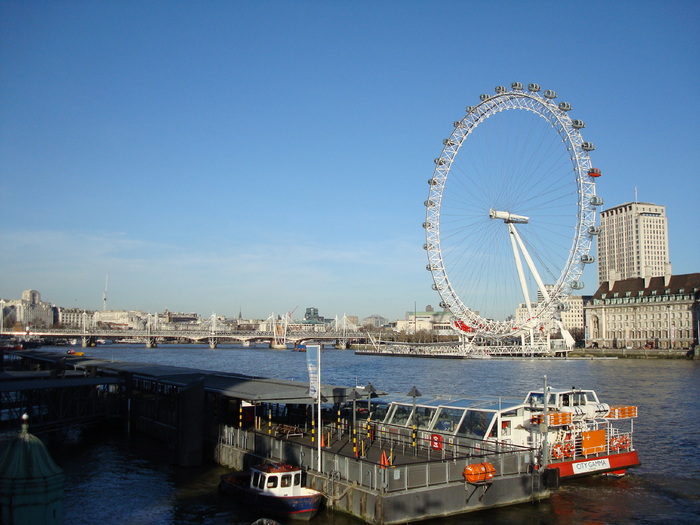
[(249, 388)]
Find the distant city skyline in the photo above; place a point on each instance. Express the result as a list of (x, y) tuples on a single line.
[(226, 157)]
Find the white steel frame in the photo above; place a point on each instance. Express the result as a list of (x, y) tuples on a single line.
[(569, 280)]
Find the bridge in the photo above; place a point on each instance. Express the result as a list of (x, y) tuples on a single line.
[(151, 337)]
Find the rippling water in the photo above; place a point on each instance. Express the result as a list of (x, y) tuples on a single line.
[(114, 480)]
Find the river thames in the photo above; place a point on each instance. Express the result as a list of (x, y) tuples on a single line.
[(112, 478)]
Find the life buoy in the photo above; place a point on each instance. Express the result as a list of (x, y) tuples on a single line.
[(615, 443), (624, 442), (557, 451), (569, 450)]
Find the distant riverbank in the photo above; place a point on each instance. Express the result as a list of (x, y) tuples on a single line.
[(635, 353)]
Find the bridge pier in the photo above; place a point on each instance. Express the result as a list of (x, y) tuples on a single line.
[(88, 341), (151, 342), (212, 343)]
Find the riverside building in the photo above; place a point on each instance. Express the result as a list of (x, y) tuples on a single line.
[(651, 312), (633, 242)]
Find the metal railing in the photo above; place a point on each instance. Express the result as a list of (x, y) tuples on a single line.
[(424, 470)]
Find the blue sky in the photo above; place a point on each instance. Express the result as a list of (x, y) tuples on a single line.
[(254, 156)]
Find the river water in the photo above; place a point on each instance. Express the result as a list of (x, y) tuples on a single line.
[(116, 479)]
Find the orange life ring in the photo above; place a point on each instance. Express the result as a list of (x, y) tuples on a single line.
[(557, 451), (624, 442), (569, 450), (615, 443)]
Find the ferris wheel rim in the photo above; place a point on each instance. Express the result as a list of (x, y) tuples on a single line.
[(587, 202)]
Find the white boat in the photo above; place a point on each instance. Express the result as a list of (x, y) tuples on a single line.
[(274, 489), (569, 430)]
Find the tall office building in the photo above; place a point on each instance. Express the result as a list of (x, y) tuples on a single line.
[(633, 242)]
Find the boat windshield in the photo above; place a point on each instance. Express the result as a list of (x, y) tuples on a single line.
[(399, 415), (448, 419), (476, 423), (423, 417), (379, 411)]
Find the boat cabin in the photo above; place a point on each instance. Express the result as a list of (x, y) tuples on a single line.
[(276, 479), (562, 398), (495, 419)]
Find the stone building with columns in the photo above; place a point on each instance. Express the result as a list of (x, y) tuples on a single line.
[(652, 312)]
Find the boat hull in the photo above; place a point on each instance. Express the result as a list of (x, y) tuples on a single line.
[(597, 465), (302, 507)]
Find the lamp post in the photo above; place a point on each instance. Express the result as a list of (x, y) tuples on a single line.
[(414, 393), (370, 390), (354, 396)]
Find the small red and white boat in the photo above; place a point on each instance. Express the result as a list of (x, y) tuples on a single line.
[(569, 430), (273, 489)]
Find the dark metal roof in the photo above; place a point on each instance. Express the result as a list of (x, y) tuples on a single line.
[(248, 388)]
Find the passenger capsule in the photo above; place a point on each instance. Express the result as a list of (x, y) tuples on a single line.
[(587, 259), (578, 124), (439, 161), (432, 182), (427, 225), (458, 124), (564, 106), (578, 285), (594, 230), (449, 142), (501, 89), (470, 109), (443, 305), (533, 87), (594, 172), (516, 86), (434, 287), (428, 246), (484, 97), (587, 146), (596, 201), (550, 94), (429, 203)]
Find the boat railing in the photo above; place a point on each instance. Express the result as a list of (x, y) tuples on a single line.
[(380, 467)]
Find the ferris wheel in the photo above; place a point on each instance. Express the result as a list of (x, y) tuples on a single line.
[(511, 213)]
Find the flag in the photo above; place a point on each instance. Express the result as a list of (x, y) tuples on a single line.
[(313, 363)]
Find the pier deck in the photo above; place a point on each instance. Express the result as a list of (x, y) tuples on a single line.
[(241, 420)]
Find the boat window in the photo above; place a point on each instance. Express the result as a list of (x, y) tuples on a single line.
[(536, 398), (579, 399), (476, 423), (261, 485), (448, 419), (256, 479), (297, 479), (423, 417), (379, 411), (286, 481), (591, 397), (271, 482), (400, 415)]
